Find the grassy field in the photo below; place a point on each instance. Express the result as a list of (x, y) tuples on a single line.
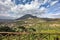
[(41, 25), (31, 37), (32, 25)]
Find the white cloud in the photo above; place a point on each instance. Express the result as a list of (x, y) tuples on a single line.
[(53, 3), (4, 14), (45, 1), (32, 8), (50, 15), (33, 5), (6, 7), (24, 0)]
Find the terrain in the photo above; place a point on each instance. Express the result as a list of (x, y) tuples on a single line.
[(32, 22)]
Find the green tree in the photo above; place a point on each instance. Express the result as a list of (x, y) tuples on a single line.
[(19, 29), (6, 29)]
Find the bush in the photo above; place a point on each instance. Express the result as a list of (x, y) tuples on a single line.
[(31, 30), (6, 29), (20, 29)]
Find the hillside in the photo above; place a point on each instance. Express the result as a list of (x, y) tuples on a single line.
[(29, 16), (26, 17), (39, 24)]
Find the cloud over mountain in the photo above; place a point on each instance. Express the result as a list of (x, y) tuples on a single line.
[(18, 8)]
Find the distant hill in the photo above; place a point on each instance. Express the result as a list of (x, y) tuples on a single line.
[(29, 17), (26, 17), (50, 19), (6, 20)]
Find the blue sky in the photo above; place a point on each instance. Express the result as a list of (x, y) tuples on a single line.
[(12, 9)]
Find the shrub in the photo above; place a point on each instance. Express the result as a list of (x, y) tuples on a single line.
[(20, 29), (31, 30), (6, 29)]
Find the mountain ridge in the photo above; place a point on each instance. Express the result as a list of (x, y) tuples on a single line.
[(31, 16), (26, 17)]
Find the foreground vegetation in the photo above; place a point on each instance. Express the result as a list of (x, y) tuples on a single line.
[(31, 25), (31, 36)]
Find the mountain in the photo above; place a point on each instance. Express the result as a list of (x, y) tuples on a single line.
[(29, 16), (26, 17)]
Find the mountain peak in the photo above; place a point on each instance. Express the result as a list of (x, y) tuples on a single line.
[(27, 16)]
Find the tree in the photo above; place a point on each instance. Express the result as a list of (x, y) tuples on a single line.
[(31, 30), (20, 29), (6, 29)]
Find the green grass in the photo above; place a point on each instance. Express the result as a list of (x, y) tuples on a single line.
[(40, 27), (31, 37)]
